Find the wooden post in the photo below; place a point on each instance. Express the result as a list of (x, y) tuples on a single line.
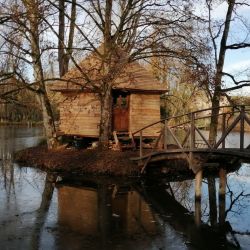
[(198, 185), (141, 152), (192, 139), (242, 132), (165, 135), (222, 195), (223, 129)]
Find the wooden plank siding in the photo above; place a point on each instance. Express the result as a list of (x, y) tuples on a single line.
[(144, 110), (80, 114)]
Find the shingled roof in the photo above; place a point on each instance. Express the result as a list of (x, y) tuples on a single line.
[(134, 77)]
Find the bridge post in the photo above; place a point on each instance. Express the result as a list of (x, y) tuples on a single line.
[(223, 129), (242, 132), (198, 184), (222, 195), (165, 135)]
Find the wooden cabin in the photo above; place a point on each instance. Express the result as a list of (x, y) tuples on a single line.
[(136, 100)]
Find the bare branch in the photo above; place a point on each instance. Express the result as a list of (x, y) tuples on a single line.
[(238, 46)]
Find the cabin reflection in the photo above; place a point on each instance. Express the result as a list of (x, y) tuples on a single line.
[(91, 211), (78, 209)]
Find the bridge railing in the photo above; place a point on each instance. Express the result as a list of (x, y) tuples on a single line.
[(229, 118)]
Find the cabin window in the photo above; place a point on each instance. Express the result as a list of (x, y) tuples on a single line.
[(120, 99)]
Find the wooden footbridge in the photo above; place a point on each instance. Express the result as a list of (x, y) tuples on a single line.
[(186, 137)]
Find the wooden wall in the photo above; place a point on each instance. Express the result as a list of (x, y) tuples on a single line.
[(144, 110), (80, 115)]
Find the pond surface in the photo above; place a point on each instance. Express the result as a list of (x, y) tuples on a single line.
[(42, 211)]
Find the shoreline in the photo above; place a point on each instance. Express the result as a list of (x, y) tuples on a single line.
[(26, 124), (107, 163), (83, 161)]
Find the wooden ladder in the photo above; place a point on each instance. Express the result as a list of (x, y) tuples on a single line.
[(124, 140)]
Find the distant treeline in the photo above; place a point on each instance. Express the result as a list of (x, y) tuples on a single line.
[(18, 105), (10, 112)]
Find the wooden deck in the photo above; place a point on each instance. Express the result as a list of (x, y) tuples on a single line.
[(182, 138)]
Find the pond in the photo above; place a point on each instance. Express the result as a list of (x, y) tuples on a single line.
[(44, 211)]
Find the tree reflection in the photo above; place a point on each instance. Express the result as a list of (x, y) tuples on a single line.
[(176, 203), (41, 213), (104, 212), (7, 170)]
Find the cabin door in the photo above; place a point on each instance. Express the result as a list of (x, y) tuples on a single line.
[(121, 112)]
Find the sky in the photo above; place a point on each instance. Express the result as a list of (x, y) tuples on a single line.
[(237, 61)]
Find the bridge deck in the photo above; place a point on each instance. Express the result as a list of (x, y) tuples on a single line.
[(175, 152)]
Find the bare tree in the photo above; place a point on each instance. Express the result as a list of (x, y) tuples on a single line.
[(221, 45), (113, 32), (120, 32), (23, 33)]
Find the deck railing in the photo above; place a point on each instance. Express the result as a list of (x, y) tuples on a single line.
[(231, 116)]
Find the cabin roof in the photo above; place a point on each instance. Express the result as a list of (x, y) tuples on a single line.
[(133, 78)]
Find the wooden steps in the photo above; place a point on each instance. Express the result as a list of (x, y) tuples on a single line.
[(123, 140)]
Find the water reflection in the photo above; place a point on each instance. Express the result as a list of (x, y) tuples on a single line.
[(227, 220), (111, 213), (106, 214), (13, 139), (42, 211), (102, 215)]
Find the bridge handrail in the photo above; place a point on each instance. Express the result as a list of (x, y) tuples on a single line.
[(208, 116), (195, 112)]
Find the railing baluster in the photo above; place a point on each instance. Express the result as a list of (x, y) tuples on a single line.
[(242, 127), (192, 132), (141, 148), (192, 138), (165, 135), (228, 130)]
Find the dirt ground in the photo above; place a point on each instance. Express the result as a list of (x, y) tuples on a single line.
[(90, 161)]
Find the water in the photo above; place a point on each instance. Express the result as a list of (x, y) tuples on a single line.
[(42, 211)]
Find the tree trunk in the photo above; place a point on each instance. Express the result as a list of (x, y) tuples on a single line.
[(48, 120), (71, 37), (218, 75), (105, 120), (214, 118), (65, 53), (61, 31), (106, 91)]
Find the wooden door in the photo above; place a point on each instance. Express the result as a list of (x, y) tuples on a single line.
[(121, 113)]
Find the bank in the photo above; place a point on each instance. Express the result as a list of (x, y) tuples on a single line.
[(80, 161)]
